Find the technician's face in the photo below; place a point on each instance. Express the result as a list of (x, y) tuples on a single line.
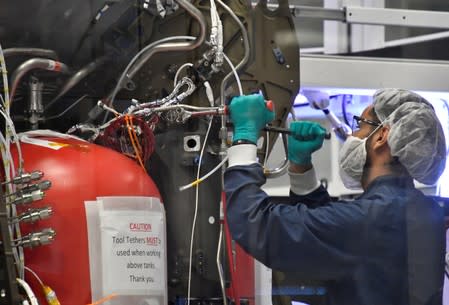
[(364, 125)]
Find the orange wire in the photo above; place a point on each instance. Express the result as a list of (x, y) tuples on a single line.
[(106, 298), (139, 148), (135, 136), (132, 142), (128, 128)]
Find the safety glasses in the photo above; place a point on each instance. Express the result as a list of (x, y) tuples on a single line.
[(356, 122)]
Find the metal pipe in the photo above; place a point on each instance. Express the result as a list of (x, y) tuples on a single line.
[(279, 171), (35, 108), (31, 64), (219, 265), (76, 78), (35, 52), (245, 57), (241, 64), (175, 46)]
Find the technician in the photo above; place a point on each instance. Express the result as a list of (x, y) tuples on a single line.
[(387, 246)]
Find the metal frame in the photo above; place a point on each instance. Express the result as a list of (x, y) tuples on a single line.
[(318, 71), (373, 16), (399, 17)]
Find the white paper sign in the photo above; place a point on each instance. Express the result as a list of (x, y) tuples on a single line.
[(132, 251), (127, 250)]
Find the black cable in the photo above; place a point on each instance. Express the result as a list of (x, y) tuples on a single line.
[(94, 20), (67, 109)]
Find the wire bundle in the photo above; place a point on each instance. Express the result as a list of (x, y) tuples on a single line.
[(131, 136)]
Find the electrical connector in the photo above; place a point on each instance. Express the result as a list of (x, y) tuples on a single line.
[(43, 186), (26, 178), (43, 237), (28, 197), (103, 106), (50, 295), (33, 215)]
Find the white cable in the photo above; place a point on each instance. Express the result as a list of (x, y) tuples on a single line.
[(214, 24), (10, 123), (8, 163), (3, 101), (35, 275), (30, 294), (175, 81), (8, 169), (198, 181), (237, 79), (219, 54), (216, 36), (209, 93), (6, 102), (196, 209), (5, 78)]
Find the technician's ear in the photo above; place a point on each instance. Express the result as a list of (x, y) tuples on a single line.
[(380, 137)]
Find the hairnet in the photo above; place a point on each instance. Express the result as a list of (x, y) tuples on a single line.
[(416, 136)]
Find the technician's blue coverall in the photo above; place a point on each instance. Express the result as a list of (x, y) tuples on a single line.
[(386, 247)]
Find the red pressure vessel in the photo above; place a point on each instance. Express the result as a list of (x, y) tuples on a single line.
[(79, 172)]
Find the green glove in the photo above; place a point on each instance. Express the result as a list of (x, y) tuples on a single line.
[(305, 138), (249, 114)]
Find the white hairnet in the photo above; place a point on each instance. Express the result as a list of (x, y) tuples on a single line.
[(416, 136)]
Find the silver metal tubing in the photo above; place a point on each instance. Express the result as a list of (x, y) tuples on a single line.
[(31, 64), (245, 57), (224, 83), (175, 46), (279, 171), (35, 52), (76, 78)]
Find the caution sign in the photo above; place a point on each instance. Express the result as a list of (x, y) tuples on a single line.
[(127, 247), (132, 251)]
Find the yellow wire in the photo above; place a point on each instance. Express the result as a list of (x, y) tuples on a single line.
[(196, 182)]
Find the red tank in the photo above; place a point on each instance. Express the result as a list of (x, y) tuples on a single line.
[(79, 172)]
